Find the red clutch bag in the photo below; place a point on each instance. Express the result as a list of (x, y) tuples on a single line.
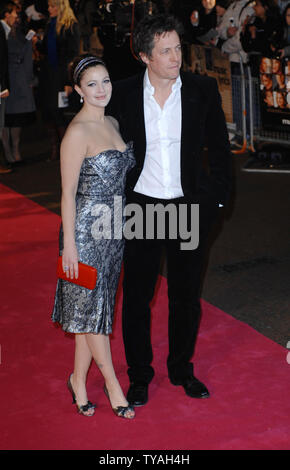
[(87, 275)]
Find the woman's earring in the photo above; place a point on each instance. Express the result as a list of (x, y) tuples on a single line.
[(82, 99)]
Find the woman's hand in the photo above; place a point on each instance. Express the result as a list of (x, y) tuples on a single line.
[(252, 31), (70, 262)]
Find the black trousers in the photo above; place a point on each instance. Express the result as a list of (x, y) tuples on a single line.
[(184, 275)]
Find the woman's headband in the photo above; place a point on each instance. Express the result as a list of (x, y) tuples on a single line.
[(83, 63)]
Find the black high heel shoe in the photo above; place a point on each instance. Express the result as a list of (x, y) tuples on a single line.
[(120, 410), (83, 409)]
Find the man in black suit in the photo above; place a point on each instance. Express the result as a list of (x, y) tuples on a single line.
[(8, 16), (170, 116)]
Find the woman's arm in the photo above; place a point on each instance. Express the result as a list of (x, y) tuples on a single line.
[(72, 152)]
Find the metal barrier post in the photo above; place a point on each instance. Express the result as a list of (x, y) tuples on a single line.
[(251, 109), (244, 110)]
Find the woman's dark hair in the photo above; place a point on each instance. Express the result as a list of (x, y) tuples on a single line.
[(151, 26), (284, 14), (82, 63), (271, 7)]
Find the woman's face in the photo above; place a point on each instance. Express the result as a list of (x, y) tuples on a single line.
[(276, 66), (208, 4), (269, 98), (287, 16), (260, 11), (52, 9), (95, 86), (280, 100), (266, 80), (266, 65)]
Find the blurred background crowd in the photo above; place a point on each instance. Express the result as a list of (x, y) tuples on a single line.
[(39, 38)]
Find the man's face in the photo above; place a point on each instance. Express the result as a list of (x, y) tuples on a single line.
[(266, 81), (269, 98), (276, 66), (280, 79), (10, 18), (166, 57)]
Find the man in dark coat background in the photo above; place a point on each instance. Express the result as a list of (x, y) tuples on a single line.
[(8, 16)]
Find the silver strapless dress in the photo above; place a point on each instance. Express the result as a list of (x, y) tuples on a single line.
[(99, 221)]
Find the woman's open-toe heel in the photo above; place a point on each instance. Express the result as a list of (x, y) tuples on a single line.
[(82, 409), (121, 411)]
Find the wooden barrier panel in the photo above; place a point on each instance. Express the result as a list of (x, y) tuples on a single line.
[(209, 61)]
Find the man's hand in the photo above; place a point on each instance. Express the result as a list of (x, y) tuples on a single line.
[(4, 94)]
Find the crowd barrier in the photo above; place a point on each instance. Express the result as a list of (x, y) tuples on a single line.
[(241, 98)]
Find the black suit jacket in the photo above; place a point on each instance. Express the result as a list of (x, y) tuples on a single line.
[(4, 76), (203, 124)]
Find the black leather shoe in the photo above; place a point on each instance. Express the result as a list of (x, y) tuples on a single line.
[(194, 388), (137, 394)]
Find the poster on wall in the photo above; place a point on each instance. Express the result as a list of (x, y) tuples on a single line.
[(275, 93)]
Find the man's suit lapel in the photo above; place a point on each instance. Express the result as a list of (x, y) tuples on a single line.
[(193, 115), (137, 120), (192, 119), (192, 111)]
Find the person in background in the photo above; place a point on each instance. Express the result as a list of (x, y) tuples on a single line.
[(85, 11), (20, 105), (59, 46), (221, 7), (8, 16), (285, 51), (203, 19), (229, 32), (263, 36)]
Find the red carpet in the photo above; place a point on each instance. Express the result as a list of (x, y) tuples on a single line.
[(247, 374)]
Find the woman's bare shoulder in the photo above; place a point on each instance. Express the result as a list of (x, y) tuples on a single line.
[(76, 132), (77, 126), (75, 138)]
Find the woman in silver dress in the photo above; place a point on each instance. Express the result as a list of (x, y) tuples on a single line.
[(94, 164)]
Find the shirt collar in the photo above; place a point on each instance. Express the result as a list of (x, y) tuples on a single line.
[(6, 27), (148, 87)]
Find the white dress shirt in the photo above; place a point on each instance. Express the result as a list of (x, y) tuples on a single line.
[(6, 28), (160, 176)]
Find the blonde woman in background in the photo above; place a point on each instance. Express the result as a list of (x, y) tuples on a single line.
[(59, 46)]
